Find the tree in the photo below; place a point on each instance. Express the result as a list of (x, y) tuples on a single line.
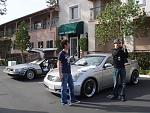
[(2, 7), (5, 47), (51, 2), (57, 43), (22, 39), (119, 20)]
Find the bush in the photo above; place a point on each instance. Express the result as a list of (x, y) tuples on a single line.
[(3, 63), (145, 72), (83, 42), (143, 59)]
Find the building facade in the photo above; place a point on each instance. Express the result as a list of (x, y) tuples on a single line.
[(138, 43), (73, 22), (42, 28), (71, 19)]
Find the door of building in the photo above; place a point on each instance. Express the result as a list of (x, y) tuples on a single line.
[(73, 46)]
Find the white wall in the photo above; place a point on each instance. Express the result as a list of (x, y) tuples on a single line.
[(84, 9), (147, 7)]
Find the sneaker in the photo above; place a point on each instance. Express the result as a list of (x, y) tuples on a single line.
[(112, 97), (122, 98), (65, 103), (75, 101)]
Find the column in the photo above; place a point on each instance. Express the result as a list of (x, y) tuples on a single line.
[(16, 26), (5, 30), (30, 23), (50, 19)]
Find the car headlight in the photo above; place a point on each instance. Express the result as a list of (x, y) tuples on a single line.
[(76, 76), (53, 78), (17, 70)]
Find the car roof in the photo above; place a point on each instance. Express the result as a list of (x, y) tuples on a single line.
[(42, 49), (99, 54)]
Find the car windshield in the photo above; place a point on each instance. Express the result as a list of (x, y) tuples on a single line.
[(90, 61), (36, 61)]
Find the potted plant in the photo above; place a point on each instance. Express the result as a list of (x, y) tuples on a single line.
[(83, 42)]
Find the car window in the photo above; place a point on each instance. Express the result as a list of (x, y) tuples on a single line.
[(37, 61), (109, 60), (90, 60)]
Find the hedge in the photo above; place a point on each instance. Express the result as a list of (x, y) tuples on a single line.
[(143, 59)]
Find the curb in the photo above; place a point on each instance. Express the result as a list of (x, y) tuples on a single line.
[(145, 76)]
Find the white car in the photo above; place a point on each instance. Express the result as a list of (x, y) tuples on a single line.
[(91, 74)]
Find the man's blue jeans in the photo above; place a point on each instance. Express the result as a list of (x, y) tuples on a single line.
[(119, 77), (67, 80)]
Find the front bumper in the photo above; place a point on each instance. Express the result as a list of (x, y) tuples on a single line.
[(55, 87), (12, 73)]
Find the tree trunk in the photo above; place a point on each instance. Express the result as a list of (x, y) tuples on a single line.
[(22, 57)]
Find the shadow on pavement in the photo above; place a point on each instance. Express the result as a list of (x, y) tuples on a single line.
[(100, 101), (5, 110), (115, 108), (37, 79)]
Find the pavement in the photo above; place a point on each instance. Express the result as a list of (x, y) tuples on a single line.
[(23, 96)]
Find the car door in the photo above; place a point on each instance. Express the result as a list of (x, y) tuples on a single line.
[(44, 67), (107, 77)]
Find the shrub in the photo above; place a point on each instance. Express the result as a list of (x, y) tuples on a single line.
[(143, 59), (3, 63), (145, 72), (83, 42)]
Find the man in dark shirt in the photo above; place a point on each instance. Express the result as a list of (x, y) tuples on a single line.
[(120, 56), (65, 75)]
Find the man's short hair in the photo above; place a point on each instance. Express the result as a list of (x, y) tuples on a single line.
[(63, 43)]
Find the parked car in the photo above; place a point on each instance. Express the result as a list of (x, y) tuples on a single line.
[(29, 70), (33, 69), (91, 74)]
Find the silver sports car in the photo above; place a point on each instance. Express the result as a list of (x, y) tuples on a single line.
[(41, 66), (91, 74), (29, 70)]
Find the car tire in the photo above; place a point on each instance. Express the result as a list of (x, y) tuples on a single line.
[(89, 88), (134, 77), (30, 75)]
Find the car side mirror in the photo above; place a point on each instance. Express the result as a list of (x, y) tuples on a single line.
[(107, 65), (72, 59)]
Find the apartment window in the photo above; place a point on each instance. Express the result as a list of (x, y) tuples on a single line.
[(141, 2), (74, 12), (40, 44), (50, 44)]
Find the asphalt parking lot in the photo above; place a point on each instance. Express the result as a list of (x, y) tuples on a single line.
[(22, 96)]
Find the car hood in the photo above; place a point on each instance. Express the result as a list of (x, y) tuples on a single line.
[(27, 65), (74, 70)]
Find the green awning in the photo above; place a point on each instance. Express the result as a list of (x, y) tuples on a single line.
[(72, 28)]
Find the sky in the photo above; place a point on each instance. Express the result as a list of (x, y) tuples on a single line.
[(20, 8)]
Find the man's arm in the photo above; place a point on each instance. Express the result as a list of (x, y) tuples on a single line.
[(125, 51)]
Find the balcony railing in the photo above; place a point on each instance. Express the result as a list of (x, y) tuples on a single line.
[(94, 12), (46, 24)]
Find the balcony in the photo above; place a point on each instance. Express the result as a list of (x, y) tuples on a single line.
[(54, 21), (44, 25), (94, 12)]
